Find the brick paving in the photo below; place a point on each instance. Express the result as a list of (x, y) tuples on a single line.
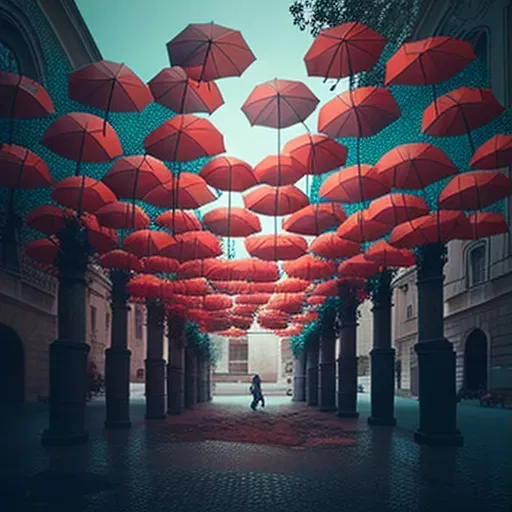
[(287, 457)]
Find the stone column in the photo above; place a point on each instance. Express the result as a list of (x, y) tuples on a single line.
[(347, 361), (299, 376), (312, 372), (326, 366), (117, 357), (176, 365), (155, 363), (436, 357), (210, 382), (382, 355), (68, 354), (201, 389), (190, 377)]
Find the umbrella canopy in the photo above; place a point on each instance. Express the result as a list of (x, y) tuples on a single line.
[(276, 247), (253, 298), (233, 332), (82, 137), (132, 177), (244, 287), (160, 265), (47, 219), (279, 170), (386, 255), (291, 303), (362, 112), (328, 288), (279, 103), (228, 173), (23, 98), (360, 228), (82, 193), (174, 89), (314, 219), (193, 245), (353, 184), (414, 166), (292, 330), (246, 269), (316, 153), (234, 221), (475, 190), (330, 245), (430, 61), (344, 50), (118, 259), (43, 251), (393, 209), (292, 285), (485, 224), (460, 111), (493, 154), (358, 266), (22, 168), (103, 239), (309, 268), (245, 309), (110, 86), (181, 220), (208, 51), (305, 318), (147, 242), (184, 137), (118, 215), (198, 267), (269, 200)]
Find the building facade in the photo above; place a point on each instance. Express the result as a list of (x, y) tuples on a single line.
[(478, 274)]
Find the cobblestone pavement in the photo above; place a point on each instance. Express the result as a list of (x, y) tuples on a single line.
[(294, 461)]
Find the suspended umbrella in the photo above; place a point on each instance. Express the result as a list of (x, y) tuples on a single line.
[(475, 190), (253, 298), (278, 170), (272, 322), (459, 112), (160, 265), (305, 318), (243, 287), (292, 285), (228, 173), (196, 286), (316, 300), (208, 51), (22, 98), (185, 300), (245, 309), (493, 154), (82, 194), (309, 268), (22, 168), (109, 86), (82, 137), (287, 302), (118, 259), (183, 221), (235, 222), (144, 286), (269, 200), (328, 288), (414, 166), (174, 89), (119, 215), (393, 209), (388, 256), (216, 302), (276, 247), (292, 330), (101, 238), (48, 219), (198, 267), (242, 322), (358, 266), (193, 245), (330, 245), (360, 228), (43, 251), (314, 219), (484, 224), (248, 269), (147, 242), (233, 332)]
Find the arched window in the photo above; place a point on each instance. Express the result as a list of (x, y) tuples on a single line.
[(476, 265)]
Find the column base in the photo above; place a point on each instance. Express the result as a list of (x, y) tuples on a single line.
[(454, 439), (117, 387), (49, 439), (155, 417), (382, 422), (117, 425), (347, 414)]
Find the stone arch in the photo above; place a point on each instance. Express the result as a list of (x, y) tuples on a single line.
[(476, 360), (18, 34), (12, 366)]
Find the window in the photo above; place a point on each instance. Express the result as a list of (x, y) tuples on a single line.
[(476, 266), (93, 320), (408, 312), (238, 356), (138, 323), (140, 373)]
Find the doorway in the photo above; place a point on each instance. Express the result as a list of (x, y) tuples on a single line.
[(475, 361), (12, 366)]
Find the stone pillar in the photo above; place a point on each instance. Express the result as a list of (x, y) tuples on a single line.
[(326, 366), (436, 357), (155, 363), (201, 389), (68, 354), (382, 356), (117, 357), (312, 372), (190, 377), (299, 376), (176, 365), (347, 361), (209, 382)]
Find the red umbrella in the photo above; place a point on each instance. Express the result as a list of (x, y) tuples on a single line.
[(475, 190), (287, 302), (344, 50), (120, 215), (353, 184), (293, 330), (119, 259), (269, 200), (196, 286), (244, 287), (386, 255), (101, 238), (249, 270), (292, 285), (330, 245), (43, 251), (147, 242), (279, 103), (232, 332), (82, 138), (358, 266), (485, 224), (493, 154), (183, 221), (132, 177), (414, 166), (208, 51), (228, 173), (22, 168), (305, 318), (393, 209), (198, 267), (245, 309), (242, 322), (253, 298), (316, 300), (82, 193), (362, 112), (360, 228), (279, 170), (430, 61), (276, 247), (216, 302), (317, 153), (327, 288), (193, 245), (309, 268), (314, 219), (184, 137), (160, 265), (174, 89), (236, 222), (48, 219)]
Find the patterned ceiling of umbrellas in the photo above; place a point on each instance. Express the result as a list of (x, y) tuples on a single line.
[(288, 277)]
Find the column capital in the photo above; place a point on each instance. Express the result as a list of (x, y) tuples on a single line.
[(431, 259)]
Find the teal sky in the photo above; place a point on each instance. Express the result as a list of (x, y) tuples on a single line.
[(137, 33)]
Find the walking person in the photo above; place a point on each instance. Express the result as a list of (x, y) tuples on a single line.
[(257, 395)]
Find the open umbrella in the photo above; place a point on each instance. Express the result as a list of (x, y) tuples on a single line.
[(292, 285), (120, 260), (278, 170), (228, 173), (275, 201), (198, 267), (493, 154), (193, 245), (330, 245), (276, 247), (360, 228), (47, 219), (314, 219), (160, 265), (120, 215), (22, 168), (232, 222), (388, 256), (485, 224), (248, 269), (309, 268), (183, 221), (147, 242)]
